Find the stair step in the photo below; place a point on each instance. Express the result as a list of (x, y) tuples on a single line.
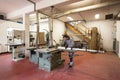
[(84, 37)]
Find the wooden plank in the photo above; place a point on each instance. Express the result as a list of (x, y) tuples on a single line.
[(94, 39), (41, 38)]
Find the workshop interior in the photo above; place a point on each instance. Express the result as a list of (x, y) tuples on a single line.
[(36, 38)]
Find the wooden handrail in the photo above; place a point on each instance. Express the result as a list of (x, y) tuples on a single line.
[(85, 31), (77, 32)]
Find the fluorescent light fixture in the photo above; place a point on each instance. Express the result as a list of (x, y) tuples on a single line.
[(10, 29), (118, 15), (79, 21), (70, 18), (97, 16), (44, 20)]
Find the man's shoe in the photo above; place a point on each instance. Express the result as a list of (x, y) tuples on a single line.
[(70, 66)]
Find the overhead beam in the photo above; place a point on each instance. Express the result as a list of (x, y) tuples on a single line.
[(37, 18), (34, 4), (100, 5), (29, 9)]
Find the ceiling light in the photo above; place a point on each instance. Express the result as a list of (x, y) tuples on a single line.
[(70, 18), (10, 29), (118, 15), (97, 16), (79, 21)]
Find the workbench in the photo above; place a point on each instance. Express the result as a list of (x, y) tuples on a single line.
[(49, 59), (17, 49), (32, 55)]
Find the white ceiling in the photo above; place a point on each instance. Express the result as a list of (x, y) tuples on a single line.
[(72, 4), (7, 6), (88, 15)]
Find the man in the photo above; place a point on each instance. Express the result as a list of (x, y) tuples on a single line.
[(67, 42)]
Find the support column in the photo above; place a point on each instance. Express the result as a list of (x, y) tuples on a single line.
[(51, 31), (26, 25), (37, 36)]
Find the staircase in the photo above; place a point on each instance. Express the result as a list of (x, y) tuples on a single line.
[(79, 33), (92, 39)]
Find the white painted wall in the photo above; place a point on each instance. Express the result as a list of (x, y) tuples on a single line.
[(4, 25), (3, 36), (58, 29), (74, 37), (43, 25), (105, 27), (118, 34)]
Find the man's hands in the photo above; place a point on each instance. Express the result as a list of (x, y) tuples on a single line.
[(66, 46)]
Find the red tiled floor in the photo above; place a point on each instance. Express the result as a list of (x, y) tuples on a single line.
[(87, 66)]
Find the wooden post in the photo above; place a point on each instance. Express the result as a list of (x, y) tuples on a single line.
[(51, 31), (37, 20), (94, 39), (37, 36), (51, 27)]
